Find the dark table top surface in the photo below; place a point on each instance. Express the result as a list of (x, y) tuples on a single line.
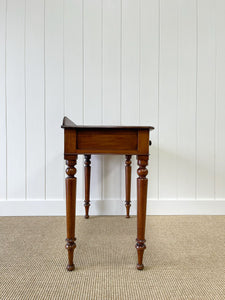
[(67, 123)]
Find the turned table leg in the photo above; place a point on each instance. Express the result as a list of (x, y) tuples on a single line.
[(128, 183), (87, 174), (70, 210), (142, 184)]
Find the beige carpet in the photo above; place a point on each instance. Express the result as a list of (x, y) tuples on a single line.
[(184, 259)]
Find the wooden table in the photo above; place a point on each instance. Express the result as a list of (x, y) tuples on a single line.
[(87, 140)]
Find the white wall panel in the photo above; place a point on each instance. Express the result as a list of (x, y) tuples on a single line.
[(16, 103), (220, 102), (92, 62), (168, 72), (111, 60), (205, 127), (35, 101), (186, 106), (128, 62), (54, 101), (3, 104)]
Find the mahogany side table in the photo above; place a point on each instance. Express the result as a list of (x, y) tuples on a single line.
[(87, 140)]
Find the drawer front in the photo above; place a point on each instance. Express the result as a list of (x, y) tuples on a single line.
[(107, 140)]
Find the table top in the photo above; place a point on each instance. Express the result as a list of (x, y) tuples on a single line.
[(67, 123)]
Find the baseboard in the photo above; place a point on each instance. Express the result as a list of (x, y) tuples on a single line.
[(112, 207)]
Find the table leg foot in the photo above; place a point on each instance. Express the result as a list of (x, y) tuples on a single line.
[(140, 246), (70, 246), (140, 267), (70, 267)]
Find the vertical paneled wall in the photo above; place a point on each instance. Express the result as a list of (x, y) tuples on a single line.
[(112, 62)]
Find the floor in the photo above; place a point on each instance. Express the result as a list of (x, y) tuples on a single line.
[(184, 259)]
